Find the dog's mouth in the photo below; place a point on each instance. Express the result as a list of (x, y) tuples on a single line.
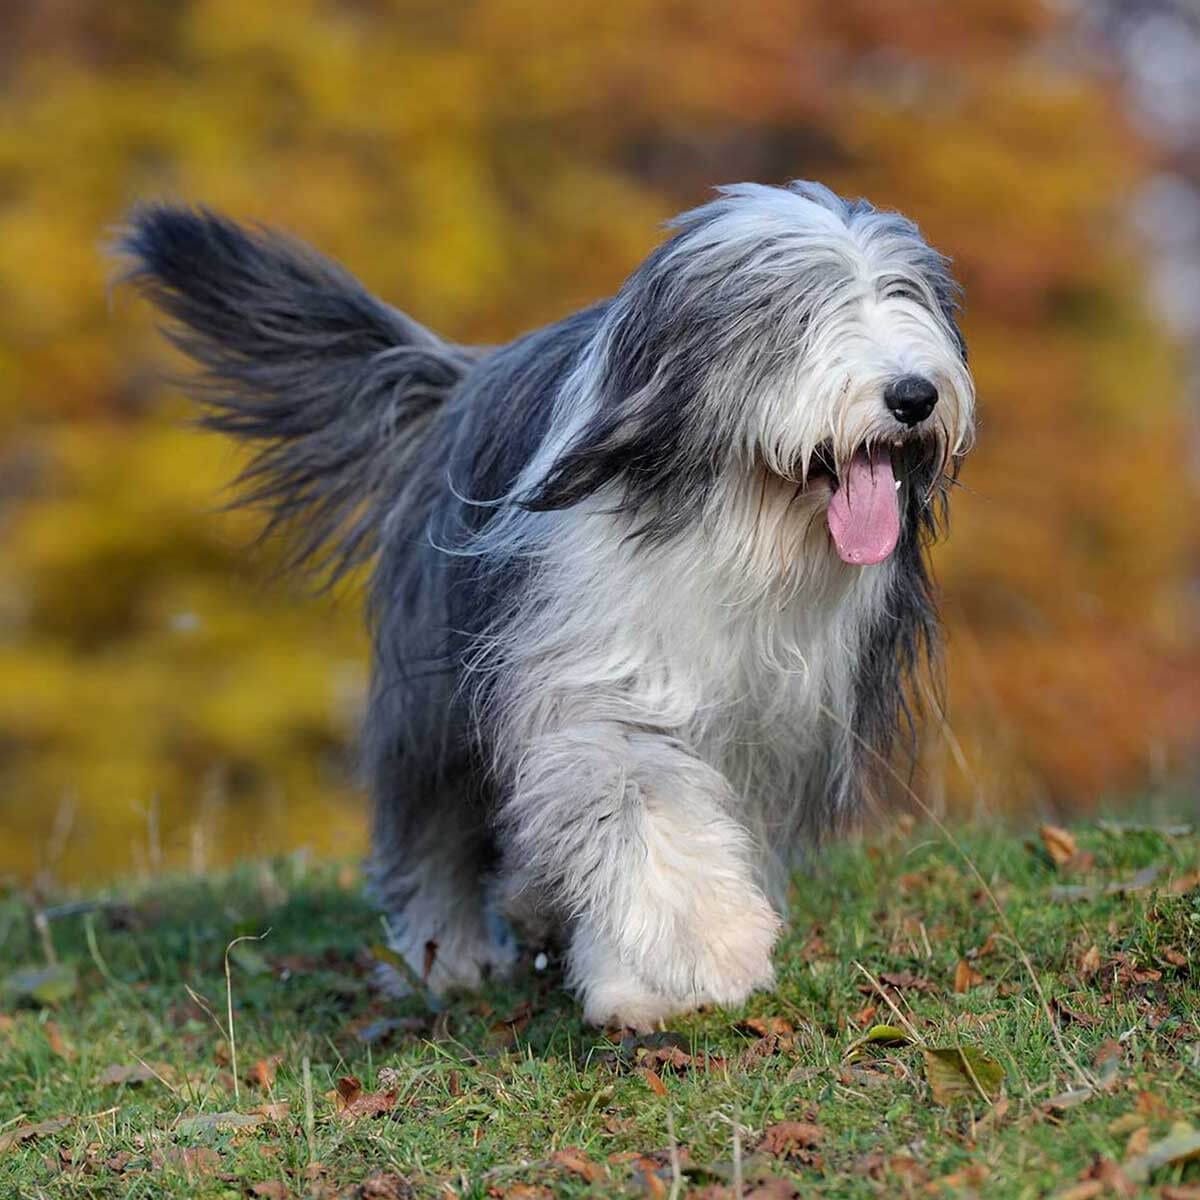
[(864, 510)]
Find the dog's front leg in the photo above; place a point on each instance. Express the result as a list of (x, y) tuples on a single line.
[(636, 841)]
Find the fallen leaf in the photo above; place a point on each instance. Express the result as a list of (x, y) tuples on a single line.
[(905, 981), (57, 1042), (654, 1080), (262, 1074), (349, 1088), (369, 1104), (971, 1176), (877, 1035), (1088, 1190), (1060, 845), (572, 1159), (1068, 1099), (270, 1189), (45, 986), (966, 977), (27, 1133), (1181, 1145), (278, 1111), (1089, 963), (788, 1138), (1138, 1142), (1110, 1175), (1137, 882), (132, 1075), (526, 1191), (191, 1160), (384, 1185), (1065, 1013), (778, 1027), (1182, 1191), (961, 1073), (217, 1122)]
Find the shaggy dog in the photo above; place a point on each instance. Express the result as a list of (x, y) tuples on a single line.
[(649, 584)]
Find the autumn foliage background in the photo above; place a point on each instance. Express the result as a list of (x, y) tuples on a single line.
[(165, 696)]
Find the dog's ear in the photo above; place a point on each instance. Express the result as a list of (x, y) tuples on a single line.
[(643, 381)]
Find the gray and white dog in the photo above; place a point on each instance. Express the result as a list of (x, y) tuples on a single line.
[(649, 584)]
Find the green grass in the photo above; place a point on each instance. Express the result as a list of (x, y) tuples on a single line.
[(479, 1097)]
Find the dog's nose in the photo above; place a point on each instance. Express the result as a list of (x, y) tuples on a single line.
[(910, 398)]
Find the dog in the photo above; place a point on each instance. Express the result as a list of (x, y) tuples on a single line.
[(649, 586)]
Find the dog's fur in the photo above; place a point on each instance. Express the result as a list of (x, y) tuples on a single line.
[(620, 674)]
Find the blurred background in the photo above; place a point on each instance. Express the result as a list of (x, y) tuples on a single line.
[(167, 699)]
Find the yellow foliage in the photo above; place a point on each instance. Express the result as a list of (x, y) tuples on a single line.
[(489, 168)]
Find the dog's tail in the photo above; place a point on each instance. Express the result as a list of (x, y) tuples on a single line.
[(332, 387)]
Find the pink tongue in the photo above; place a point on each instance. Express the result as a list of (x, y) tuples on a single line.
[(864, 515)]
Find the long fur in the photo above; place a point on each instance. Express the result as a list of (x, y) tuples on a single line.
[(620, 676)]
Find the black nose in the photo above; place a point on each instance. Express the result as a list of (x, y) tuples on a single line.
[(911, 398)]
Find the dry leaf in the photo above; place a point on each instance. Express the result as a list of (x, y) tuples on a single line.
[(262, 1074), (527, 1191), (215, 1122), (654, 1079), (1182, 1144), (26, 1133), (572, 1159), (965, 977), (788, 1139), (349, 1087), (369, 1104), (270, 1189), (1088, 1190), (278, 1111), (903, 981), (1089, 964), (132, 1075), (1138, 1142), (1060, 845), (57, 1042), (384, 1185), (191, 1160), (961, 1073), (778, 1027)]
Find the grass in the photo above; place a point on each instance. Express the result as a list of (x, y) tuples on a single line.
[(105, 1069)]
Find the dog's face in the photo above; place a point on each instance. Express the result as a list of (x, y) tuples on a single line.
[(787, 345)]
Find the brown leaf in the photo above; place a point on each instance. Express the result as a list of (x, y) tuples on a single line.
[(965, 977), (972, 1176), (1066, 1014), (572, 1159), (906, 981), (26, 1133), (384, 1185), (57, 1042), (190, 1160), (654, 1079), (788, 1139), (132, 1075), (1138, 1142), (349, 1087), (1115, 1181), (1088, 1190), (779, 1027), (1089, 963), (1060, 845), (278, 1111), (526, 1191), (1180, 1191), (262, 1074), (369, 1105), (270, 1189)]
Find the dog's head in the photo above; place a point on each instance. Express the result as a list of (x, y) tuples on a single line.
[(784, 348)]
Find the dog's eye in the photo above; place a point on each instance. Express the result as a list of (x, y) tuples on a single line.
[(902, 292)]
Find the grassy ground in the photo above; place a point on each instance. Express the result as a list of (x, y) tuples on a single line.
[(117, 1077)]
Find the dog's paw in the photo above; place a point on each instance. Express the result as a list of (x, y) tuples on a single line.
[(719, 953)]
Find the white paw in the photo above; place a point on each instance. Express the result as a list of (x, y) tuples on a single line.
[(720, 953)]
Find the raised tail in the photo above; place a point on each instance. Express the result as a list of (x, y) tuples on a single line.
[(331, 386)]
